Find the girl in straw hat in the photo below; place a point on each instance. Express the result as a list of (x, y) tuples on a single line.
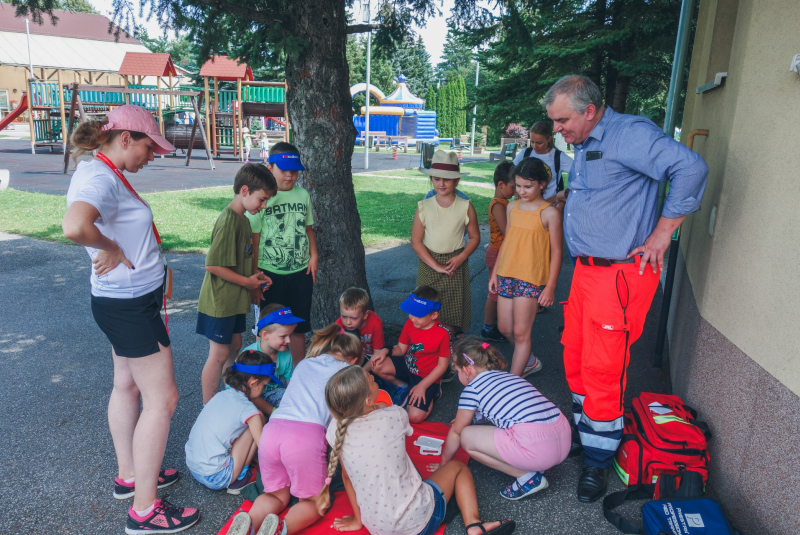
[(437, 237)]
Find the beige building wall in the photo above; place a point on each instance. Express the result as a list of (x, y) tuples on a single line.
[(746, 276)]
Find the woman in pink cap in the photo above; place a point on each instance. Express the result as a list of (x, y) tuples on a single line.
[(108, 217)]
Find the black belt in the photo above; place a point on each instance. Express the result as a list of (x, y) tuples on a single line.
[(605, 262)]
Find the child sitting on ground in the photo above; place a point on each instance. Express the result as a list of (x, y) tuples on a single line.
[(528, 263), (275, 328), (358, 320), (528, 434), (386, 492), (224, 438), (291, 453), (225, 295), (420, 358), (503, 191)]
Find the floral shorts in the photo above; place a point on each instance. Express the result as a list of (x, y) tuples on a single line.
[(510, 288)]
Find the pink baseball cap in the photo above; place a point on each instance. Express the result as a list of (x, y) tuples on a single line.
[(137, 119)]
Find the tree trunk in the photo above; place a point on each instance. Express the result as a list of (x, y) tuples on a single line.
[(596, 67), (621, 94), (318, 99)]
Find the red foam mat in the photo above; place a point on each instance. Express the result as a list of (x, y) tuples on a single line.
[(426, 464)]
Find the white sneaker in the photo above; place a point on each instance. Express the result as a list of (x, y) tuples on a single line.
[(532, 368), (240, 525)]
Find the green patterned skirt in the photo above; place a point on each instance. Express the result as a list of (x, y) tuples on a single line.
[(456, 302)]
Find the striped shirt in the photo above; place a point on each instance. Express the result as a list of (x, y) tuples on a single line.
[(611, 208), (505, 400)]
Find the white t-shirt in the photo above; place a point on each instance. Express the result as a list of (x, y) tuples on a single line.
[(221, 421), (304, 399), (550, 160), (389, 489), (127, 221)]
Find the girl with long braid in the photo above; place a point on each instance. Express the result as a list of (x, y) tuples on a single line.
[(291, 452), (386, 492)]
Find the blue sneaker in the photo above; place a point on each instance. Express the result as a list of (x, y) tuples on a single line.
[(516, 492), (399, 395)]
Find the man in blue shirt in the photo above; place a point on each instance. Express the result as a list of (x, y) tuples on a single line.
[(611, 226)]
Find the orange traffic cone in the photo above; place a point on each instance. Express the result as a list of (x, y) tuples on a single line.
[(394, 153), (459, 154)]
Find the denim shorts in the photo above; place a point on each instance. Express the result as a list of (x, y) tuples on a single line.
[(439, 509), (220, 330), (217, 481), (274, 396)]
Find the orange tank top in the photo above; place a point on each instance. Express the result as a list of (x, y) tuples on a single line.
[(496, 235), (526, 251)]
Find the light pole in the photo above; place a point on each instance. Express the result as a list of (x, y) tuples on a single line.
[(474, 109), (366, 18)]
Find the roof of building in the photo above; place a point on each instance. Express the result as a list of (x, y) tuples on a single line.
[(69, 24), (147, 64), (78, 41), (226, 69)]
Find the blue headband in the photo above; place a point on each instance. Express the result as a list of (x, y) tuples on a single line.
[(267, 370)]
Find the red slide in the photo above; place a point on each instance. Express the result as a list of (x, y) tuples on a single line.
[(273, 118), (22, 108)]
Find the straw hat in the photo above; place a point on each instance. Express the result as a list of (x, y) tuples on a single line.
[(444, 165)]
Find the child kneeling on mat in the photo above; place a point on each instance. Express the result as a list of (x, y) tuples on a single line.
[(527, 435), (292, 450), (386, 492), (224, 438)]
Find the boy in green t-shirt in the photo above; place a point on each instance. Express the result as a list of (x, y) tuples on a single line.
[(284, 245), (225, 294)]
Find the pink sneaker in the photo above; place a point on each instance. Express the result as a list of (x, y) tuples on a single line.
[(532, 368), (124, 490), (164, 518), (271, 525)]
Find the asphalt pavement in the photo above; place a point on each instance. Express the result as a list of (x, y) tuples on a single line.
[(58, 461)]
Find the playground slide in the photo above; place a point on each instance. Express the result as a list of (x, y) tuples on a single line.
[(273, 118), (22, 108)]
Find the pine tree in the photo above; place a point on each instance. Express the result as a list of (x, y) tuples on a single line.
[(430, 99)]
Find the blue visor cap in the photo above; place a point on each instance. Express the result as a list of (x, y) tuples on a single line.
[(283, 316), (419, 307), (265, 370), (287, 161)]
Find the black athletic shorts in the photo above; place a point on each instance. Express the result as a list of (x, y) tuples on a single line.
[(294, 291), (402, 372), (133, 326)]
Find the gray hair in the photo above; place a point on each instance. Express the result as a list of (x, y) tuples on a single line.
[(579, 90)]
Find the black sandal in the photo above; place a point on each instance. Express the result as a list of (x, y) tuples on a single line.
[(506, 527)]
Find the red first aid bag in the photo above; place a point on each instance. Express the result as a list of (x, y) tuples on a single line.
[(661, 436)]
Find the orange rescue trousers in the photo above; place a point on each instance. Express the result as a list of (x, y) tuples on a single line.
[(604, 315)]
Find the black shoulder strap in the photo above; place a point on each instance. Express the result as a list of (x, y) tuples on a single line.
[(612, 501), (559, 178), (527, 152)]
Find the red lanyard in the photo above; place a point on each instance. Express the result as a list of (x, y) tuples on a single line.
[(102, 157)]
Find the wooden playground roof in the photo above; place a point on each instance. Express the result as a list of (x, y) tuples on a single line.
[(147, 64), (226, 69)]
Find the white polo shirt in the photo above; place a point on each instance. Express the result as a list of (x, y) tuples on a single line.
[(127, 221)]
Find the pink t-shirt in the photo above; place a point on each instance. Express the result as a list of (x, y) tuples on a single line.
[(389, 490)]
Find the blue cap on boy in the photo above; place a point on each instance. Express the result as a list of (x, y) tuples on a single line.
[(287, 161), (283, 316), (419, 307)]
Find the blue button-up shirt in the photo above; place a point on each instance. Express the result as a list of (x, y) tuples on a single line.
[(611, 208)]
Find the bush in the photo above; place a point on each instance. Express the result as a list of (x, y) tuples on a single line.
[(479, 139), (255, 124), (516, 130)]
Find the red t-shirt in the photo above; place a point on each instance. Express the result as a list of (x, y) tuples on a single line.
[(371, 334), (425, 347)]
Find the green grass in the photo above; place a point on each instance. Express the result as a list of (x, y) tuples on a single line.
[(185, 218), (478, 172)]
